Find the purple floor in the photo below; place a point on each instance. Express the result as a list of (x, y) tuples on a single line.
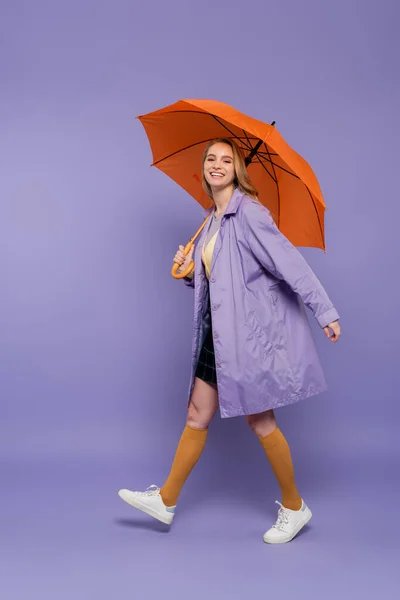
[(66, 534)]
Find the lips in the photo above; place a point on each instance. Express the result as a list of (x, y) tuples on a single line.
[(216, 175)]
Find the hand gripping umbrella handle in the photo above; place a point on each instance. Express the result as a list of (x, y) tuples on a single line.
[(188, 247), (176, 266)]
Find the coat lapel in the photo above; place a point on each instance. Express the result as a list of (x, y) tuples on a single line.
[(199, 268), (231, 210), (218, 244)]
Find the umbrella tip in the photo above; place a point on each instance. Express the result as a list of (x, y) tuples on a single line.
[(273, 123)]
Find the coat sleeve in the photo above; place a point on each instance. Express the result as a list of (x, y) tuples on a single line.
[(189, 281), (282, 259)]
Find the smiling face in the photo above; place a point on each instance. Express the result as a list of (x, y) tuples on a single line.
[(219, 169)]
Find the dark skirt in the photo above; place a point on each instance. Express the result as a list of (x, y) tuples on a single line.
[(206, 366)]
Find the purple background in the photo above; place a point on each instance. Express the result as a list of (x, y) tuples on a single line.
[(95, 334)]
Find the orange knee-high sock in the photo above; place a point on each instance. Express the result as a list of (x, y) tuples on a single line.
[(187, 454), (278, 453)]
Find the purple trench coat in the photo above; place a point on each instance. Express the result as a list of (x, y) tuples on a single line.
[(265, 353)]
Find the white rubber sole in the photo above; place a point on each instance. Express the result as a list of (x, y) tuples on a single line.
[(135, 502), (284, 540)]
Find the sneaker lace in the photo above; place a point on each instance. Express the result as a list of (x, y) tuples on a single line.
[(152, 490), (283, 517)]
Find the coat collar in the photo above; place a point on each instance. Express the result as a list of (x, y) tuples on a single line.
[(234, 202), (233, 205)]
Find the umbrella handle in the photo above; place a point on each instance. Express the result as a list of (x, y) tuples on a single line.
[(188, 247), (174, 271)]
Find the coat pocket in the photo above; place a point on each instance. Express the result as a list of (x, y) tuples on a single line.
[(257, 335)]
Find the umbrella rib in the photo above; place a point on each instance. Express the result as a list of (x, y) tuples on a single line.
[(263, 155), (182, 150), (279, 167), (319, 220), (265, 169), (207, 114), (263, 166), (251, 148), (277, 185), (269, 153), (272, 164), (274, 178), (229, 131), (234, 136), (157, 162), (256, 155)]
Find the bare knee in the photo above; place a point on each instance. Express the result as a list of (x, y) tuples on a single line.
[(199, 417), (202, 406), (262, 423)]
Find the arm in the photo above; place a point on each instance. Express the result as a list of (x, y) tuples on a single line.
[(278, 256)]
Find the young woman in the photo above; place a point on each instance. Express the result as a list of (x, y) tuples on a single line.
[(253, 349)]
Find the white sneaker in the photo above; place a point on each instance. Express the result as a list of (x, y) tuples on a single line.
[(149, 502), (288, 524)]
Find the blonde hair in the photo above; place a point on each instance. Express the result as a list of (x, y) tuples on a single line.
[(242, 179)]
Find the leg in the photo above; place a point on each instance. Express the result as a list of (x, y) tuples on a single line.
[(293, 513), (278, 453), (202, 407), (160, 504)]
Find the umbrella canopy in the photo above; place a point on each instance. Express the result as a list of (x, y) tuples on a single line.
[(286, 184)]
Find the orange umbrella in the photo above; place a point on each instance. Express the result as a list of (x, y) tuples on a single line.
[(286, 184)]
